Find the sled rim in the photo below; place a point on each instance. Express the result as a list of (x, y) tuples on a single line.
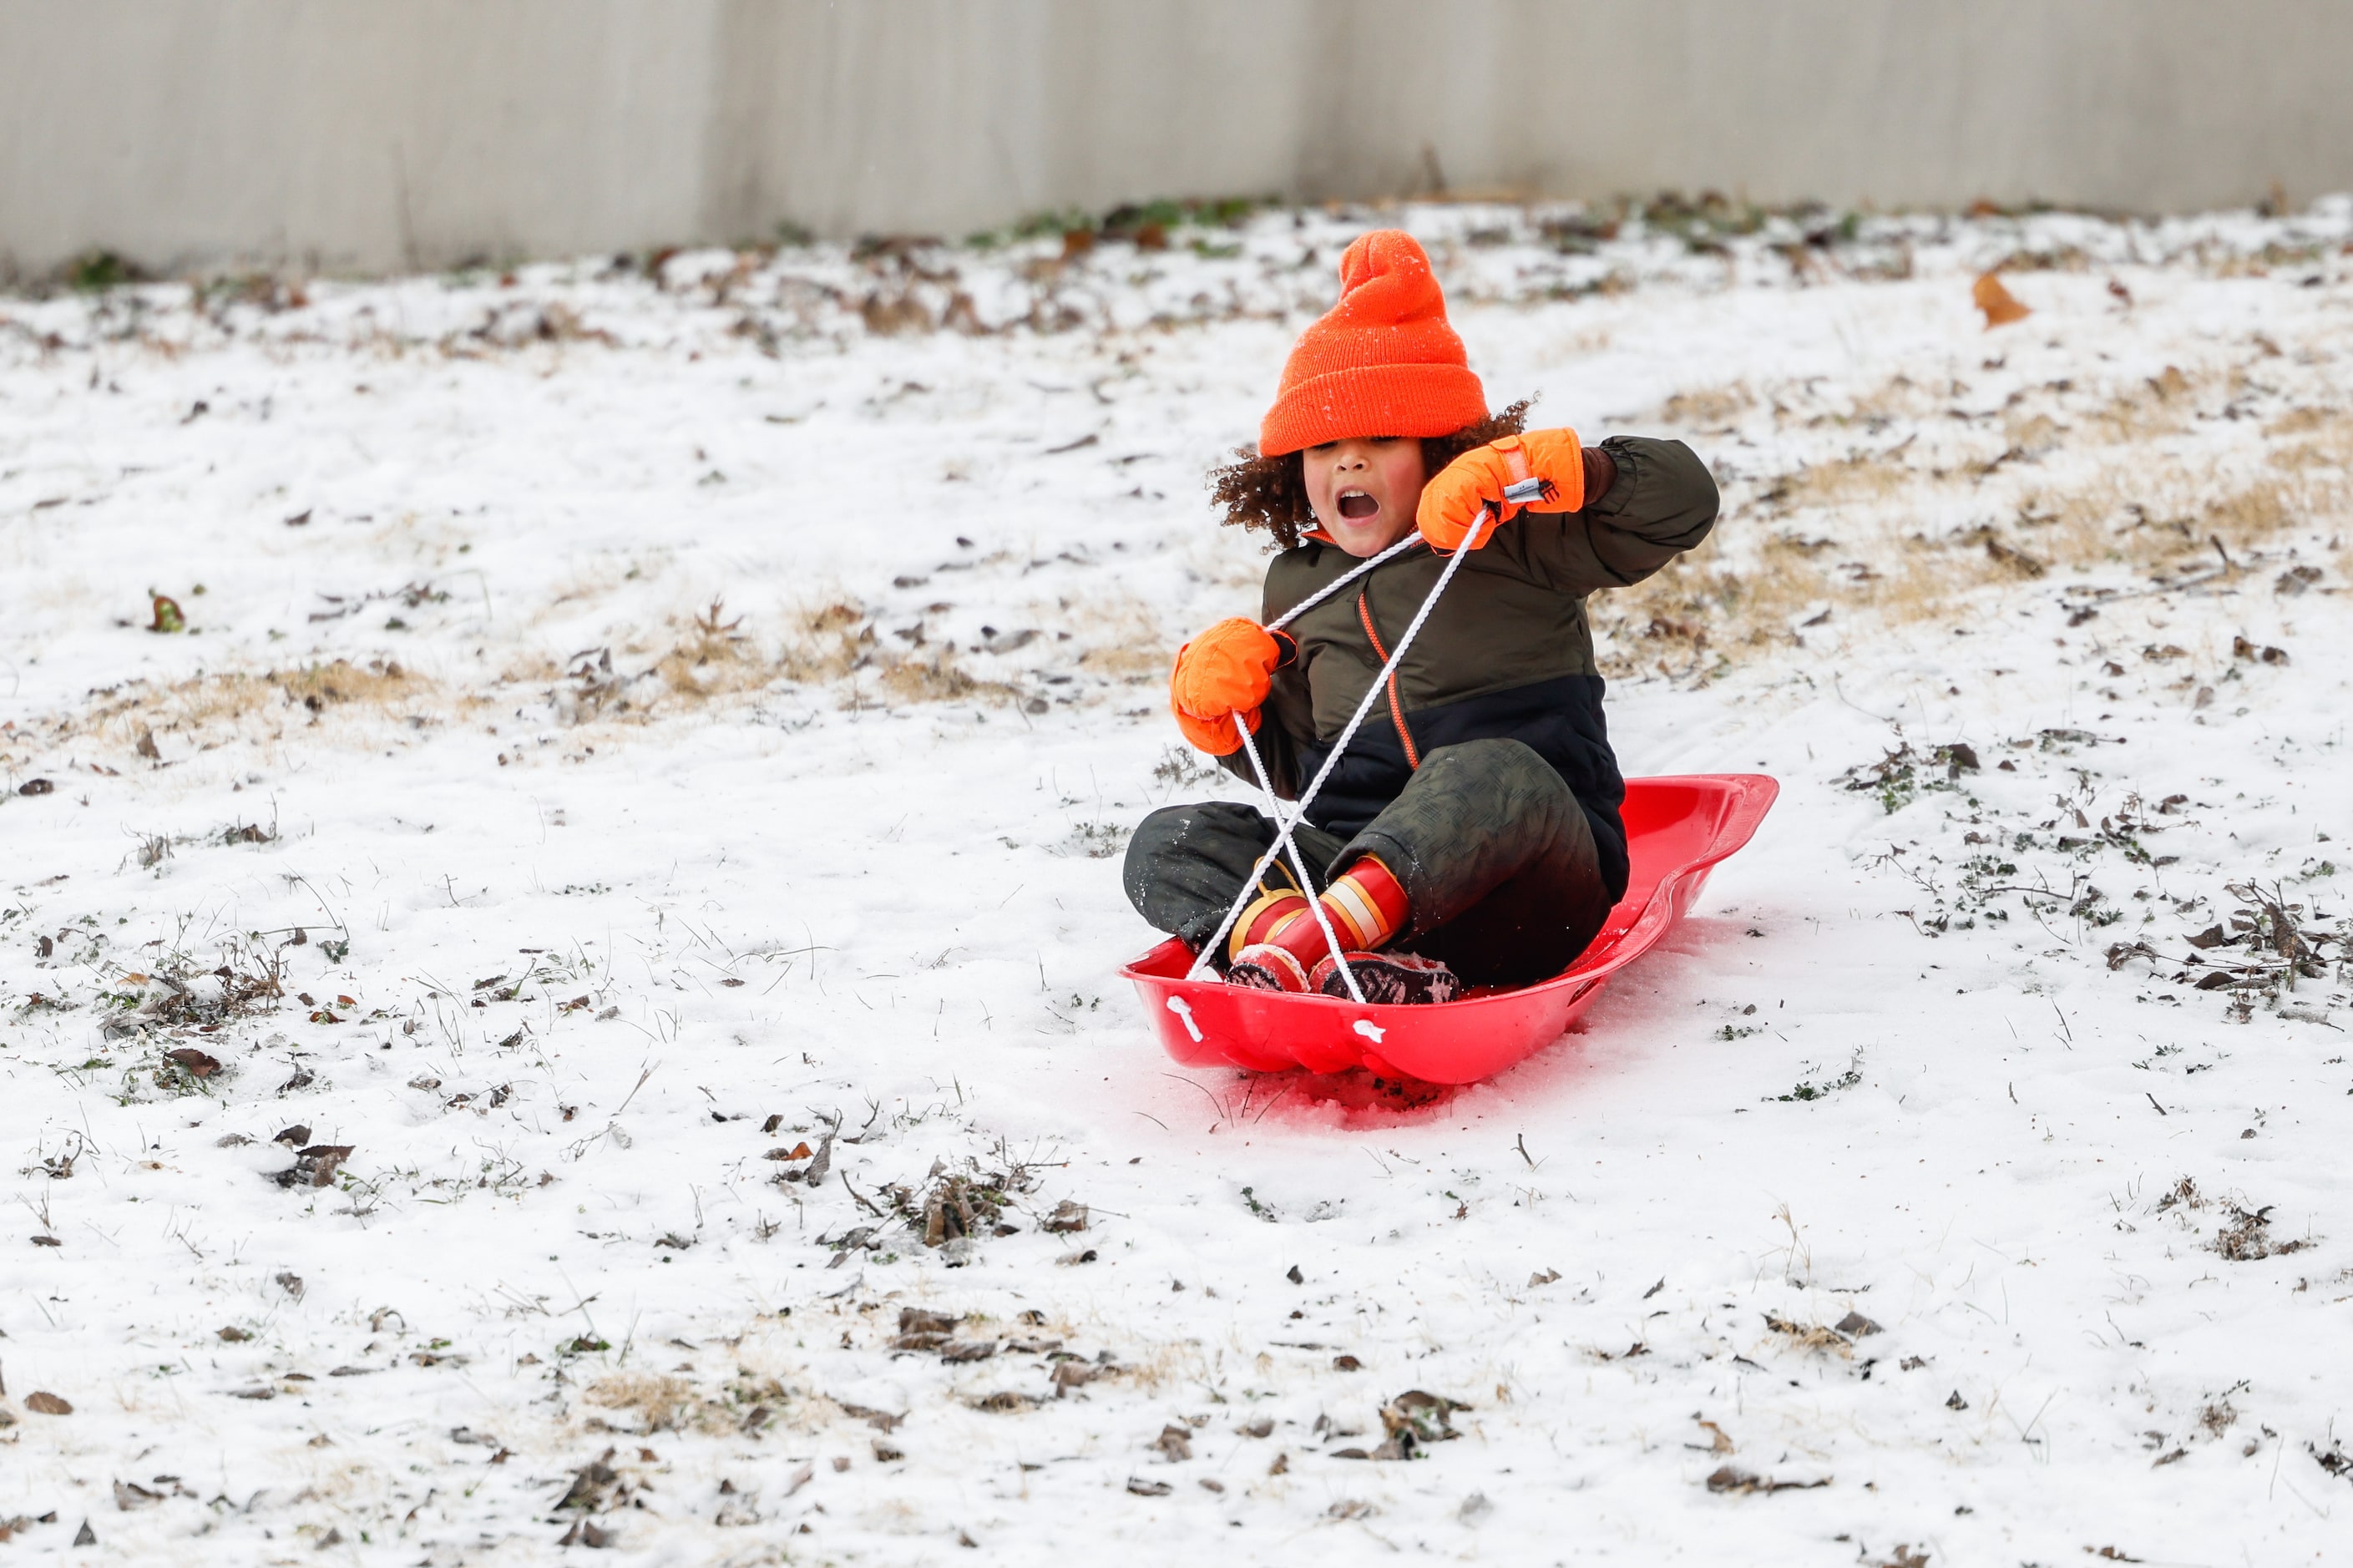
[(1477, 1036)]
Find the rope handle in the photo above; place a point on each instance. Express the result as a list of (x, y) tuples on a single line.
[(1283, 827), (1342, 581), (1283, 823)]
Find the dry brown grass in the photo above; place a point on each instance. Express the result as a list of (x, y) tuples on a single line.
[(1708, 408), (1123, 637), (198, 704), (1136, 664), (2330, 445), (1849, 547), (713, 657), (2163, 405), (662, 1401), (706, 661), (831, 643), (2032, 432), (2300, 421), (936, 680), (1897, 397), (1696, 616), (1864, 477), (2151, 518), (383, 684), (209, 708), (827, 642), (836, 642)]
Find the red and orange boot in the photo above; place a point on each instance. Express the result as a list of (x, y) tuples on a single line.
[(1279, 944), (1251, 957)]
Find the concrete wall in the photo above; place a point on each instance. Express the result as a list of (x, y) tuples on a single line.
[(372, 134)]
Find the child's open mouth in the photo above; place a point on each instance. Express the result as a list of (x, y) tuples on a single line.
[(1356, 506)]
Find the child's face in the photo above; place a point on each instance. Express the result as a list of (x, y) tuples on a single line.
[(1365, 489)]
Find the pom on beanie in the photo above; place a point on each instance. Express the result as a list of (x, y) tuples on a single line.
[(1383, 362)]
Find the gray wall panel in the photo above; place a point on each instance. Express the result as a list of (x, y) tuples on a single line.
[(360, 136)]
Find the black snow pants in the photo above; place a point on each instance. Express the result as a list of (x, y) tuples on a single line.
[(1502, 880)]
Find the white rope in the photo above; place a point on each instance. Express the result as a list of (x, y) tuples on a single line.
[(1282, 825), (1342, 581)]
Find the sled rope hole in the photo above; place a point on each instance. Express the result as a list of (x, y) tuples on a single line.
[(1284, 823)]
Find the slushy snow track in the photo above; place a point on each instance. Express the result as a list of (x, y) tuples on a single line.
[(578, 1000)]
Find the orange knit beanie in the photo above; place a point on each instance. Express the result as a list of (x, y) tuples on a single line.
[(1382, 362)]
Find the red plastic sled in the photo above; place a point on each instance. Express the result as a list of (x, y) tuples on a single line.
[(1676, 831)]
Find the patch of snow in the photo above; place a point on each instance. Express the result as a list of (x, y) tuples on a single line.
[(631, 826)]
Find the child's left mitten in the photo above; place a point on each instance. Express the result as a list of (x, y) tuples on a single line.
[(1226, 671), (1545, 467)]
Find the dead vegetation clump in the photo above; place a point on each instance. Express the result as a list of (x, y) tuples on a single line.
[(713, 657), (248, 980), (1737, 1482), (937, 680), (746, 1405), (954, 1209), (836, 642), (2247, 1237), (1839, 1340), (2264, 948), (380, 684), (825, 644), (662, 1401)]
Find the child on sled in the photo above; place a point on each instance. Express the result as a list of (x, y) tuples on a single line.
[(1470, 835)]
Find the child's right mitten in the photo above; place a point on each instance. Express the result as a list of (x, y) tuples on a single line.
[(1450, 515), (1226, 671)]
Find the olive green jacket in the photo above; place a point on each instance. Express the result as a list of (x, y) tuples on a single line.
[(1507, 652)]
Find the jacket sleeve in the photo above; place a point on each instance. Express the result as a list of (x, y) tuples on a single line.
[(1663, 503)]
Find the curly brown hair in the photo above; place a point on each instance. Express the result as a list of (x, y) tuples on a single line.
[(1271, 492)]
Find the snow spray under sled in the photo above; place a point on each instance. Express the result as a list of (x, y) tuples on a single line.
[(1676, 831)]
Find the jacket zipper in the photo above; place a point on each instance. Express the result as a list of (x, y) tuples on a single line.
[(1396, 708)]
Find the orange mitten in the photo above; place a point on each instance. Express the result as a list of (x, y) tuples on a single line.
[(1480, 476), (1224, 671)]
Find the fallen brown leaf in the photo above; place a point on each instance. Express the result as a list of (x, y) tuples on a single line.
[(1999, 305)]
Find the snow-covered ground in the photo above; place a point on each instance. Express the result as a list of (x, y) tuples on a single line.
[(627, 730)]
